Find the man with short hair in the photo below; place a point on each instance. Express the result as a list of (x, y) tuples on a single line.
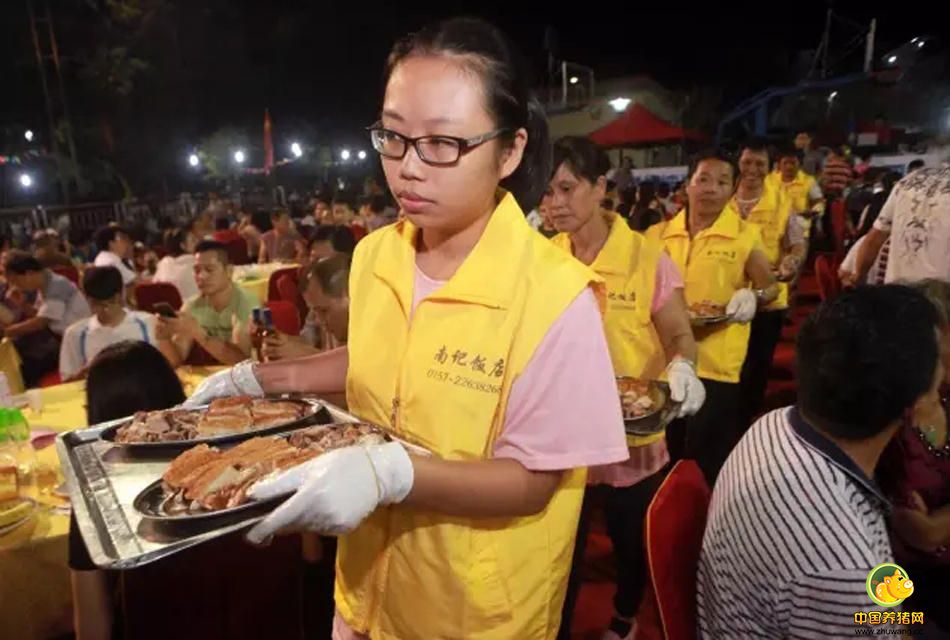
[(328, 241), (46, 250), (811, 158), (796, 521), (801, 189), (110, 323), (371, 213), (344, 215), (216, 319), (58, 305), (115, 250)]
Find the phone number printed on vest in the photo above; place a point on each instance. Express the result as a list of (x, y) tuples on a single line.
[(460, 360)]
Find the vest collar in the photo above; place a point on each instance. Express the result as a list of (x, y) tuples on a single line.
[(485, 277), (769, 202), (727, 225)]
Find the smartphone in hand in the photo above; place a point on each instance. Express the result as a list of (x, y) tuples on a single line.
[(165, 310)]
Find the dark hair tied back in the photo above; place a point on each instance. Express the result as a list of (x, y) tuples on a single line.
[(507, 82)]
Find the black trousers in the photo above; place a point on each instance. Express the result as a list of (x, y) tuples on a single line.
[(766, 332), (709, 436), (625, 510)]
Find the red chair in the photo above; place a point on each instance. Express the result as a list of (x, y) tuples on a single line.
[(237, 251), (50, 379), (272, 292), (828, 284), (675, 524), (148, 294), (285, 315), (70, 273), (839, 225), (288, 290)]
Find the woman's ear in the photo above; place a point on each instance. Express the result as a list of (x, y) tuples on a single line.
[(600, 187), (511, 158)]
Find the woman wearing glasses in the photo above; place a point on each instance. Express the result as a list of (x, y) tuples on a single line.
[(471, 336)]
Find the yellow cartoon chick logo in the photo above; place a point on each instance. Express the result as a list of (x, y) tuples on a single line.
[(888, 585)]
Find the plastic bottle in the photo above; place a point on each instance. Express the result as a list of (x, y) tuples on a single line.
[(9, 482), (6, 398), (19, 430)]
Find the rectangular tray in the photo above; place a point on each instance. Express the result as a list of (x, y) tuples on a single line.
[(103, 482)]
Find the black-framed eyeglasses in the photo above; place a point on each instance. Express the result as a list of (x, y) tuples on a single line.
[(438, 151)]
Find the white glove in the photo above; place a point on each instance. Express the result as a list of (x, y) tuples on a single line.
[(335, 491), (742, 306), (685, 386), (239, 380)]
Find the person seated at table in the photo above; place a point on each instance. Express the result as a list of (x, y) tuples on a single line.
[(110, 323), (372, 213), (216, 319), (331, 240), (178, 265), (79, 246), (344, 215), (115, 250), (278, 244), (326, 294), (46, 249), (203, 224), (915, 474), (148, 383), (224, 232), (796, 520), (59, 304), (144, 260), (249, 227)]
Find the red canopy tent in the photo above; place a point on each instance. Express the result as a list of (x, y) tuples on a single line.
[(640, 126)]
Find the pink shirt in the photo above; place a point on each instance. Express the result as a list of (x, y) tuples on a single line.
[(646, 460), (564, 411), (567, 387)]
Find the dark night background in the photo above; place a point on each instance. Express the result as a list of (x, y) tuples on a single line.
[(147, 84)]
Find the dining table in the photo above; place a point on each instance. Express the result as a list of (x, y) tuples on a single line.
[(255, 278), (35, 598)]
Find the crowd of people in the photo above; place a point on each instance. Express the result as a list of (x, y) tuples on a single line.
[(62, 307), (498, 347)]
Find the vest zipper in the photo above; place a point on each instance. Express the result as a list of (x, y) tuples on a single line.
[(380, 582)]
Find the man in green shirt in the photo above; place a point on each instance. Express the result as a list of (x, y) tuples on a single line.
[(217, 318)]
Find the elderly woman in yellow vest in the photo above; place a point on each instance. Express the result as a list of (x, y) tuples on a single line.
[(724, 263), (466, 339), (649, 336), (758, 201)]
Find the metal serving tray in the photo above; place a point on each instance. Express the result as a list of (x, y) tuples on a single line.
[(104, 480)]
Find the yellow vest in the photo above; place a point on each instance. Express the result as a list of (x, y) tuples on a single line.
[(713, 266), (442, 380), (796, 192), (771, 214), (627, 263)]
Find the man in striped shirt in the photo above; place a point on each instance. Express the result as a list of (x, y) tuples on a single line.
[(796, 522)]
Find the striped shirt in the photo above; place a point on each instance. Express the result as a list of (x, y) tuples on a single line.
[(794, 529)]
